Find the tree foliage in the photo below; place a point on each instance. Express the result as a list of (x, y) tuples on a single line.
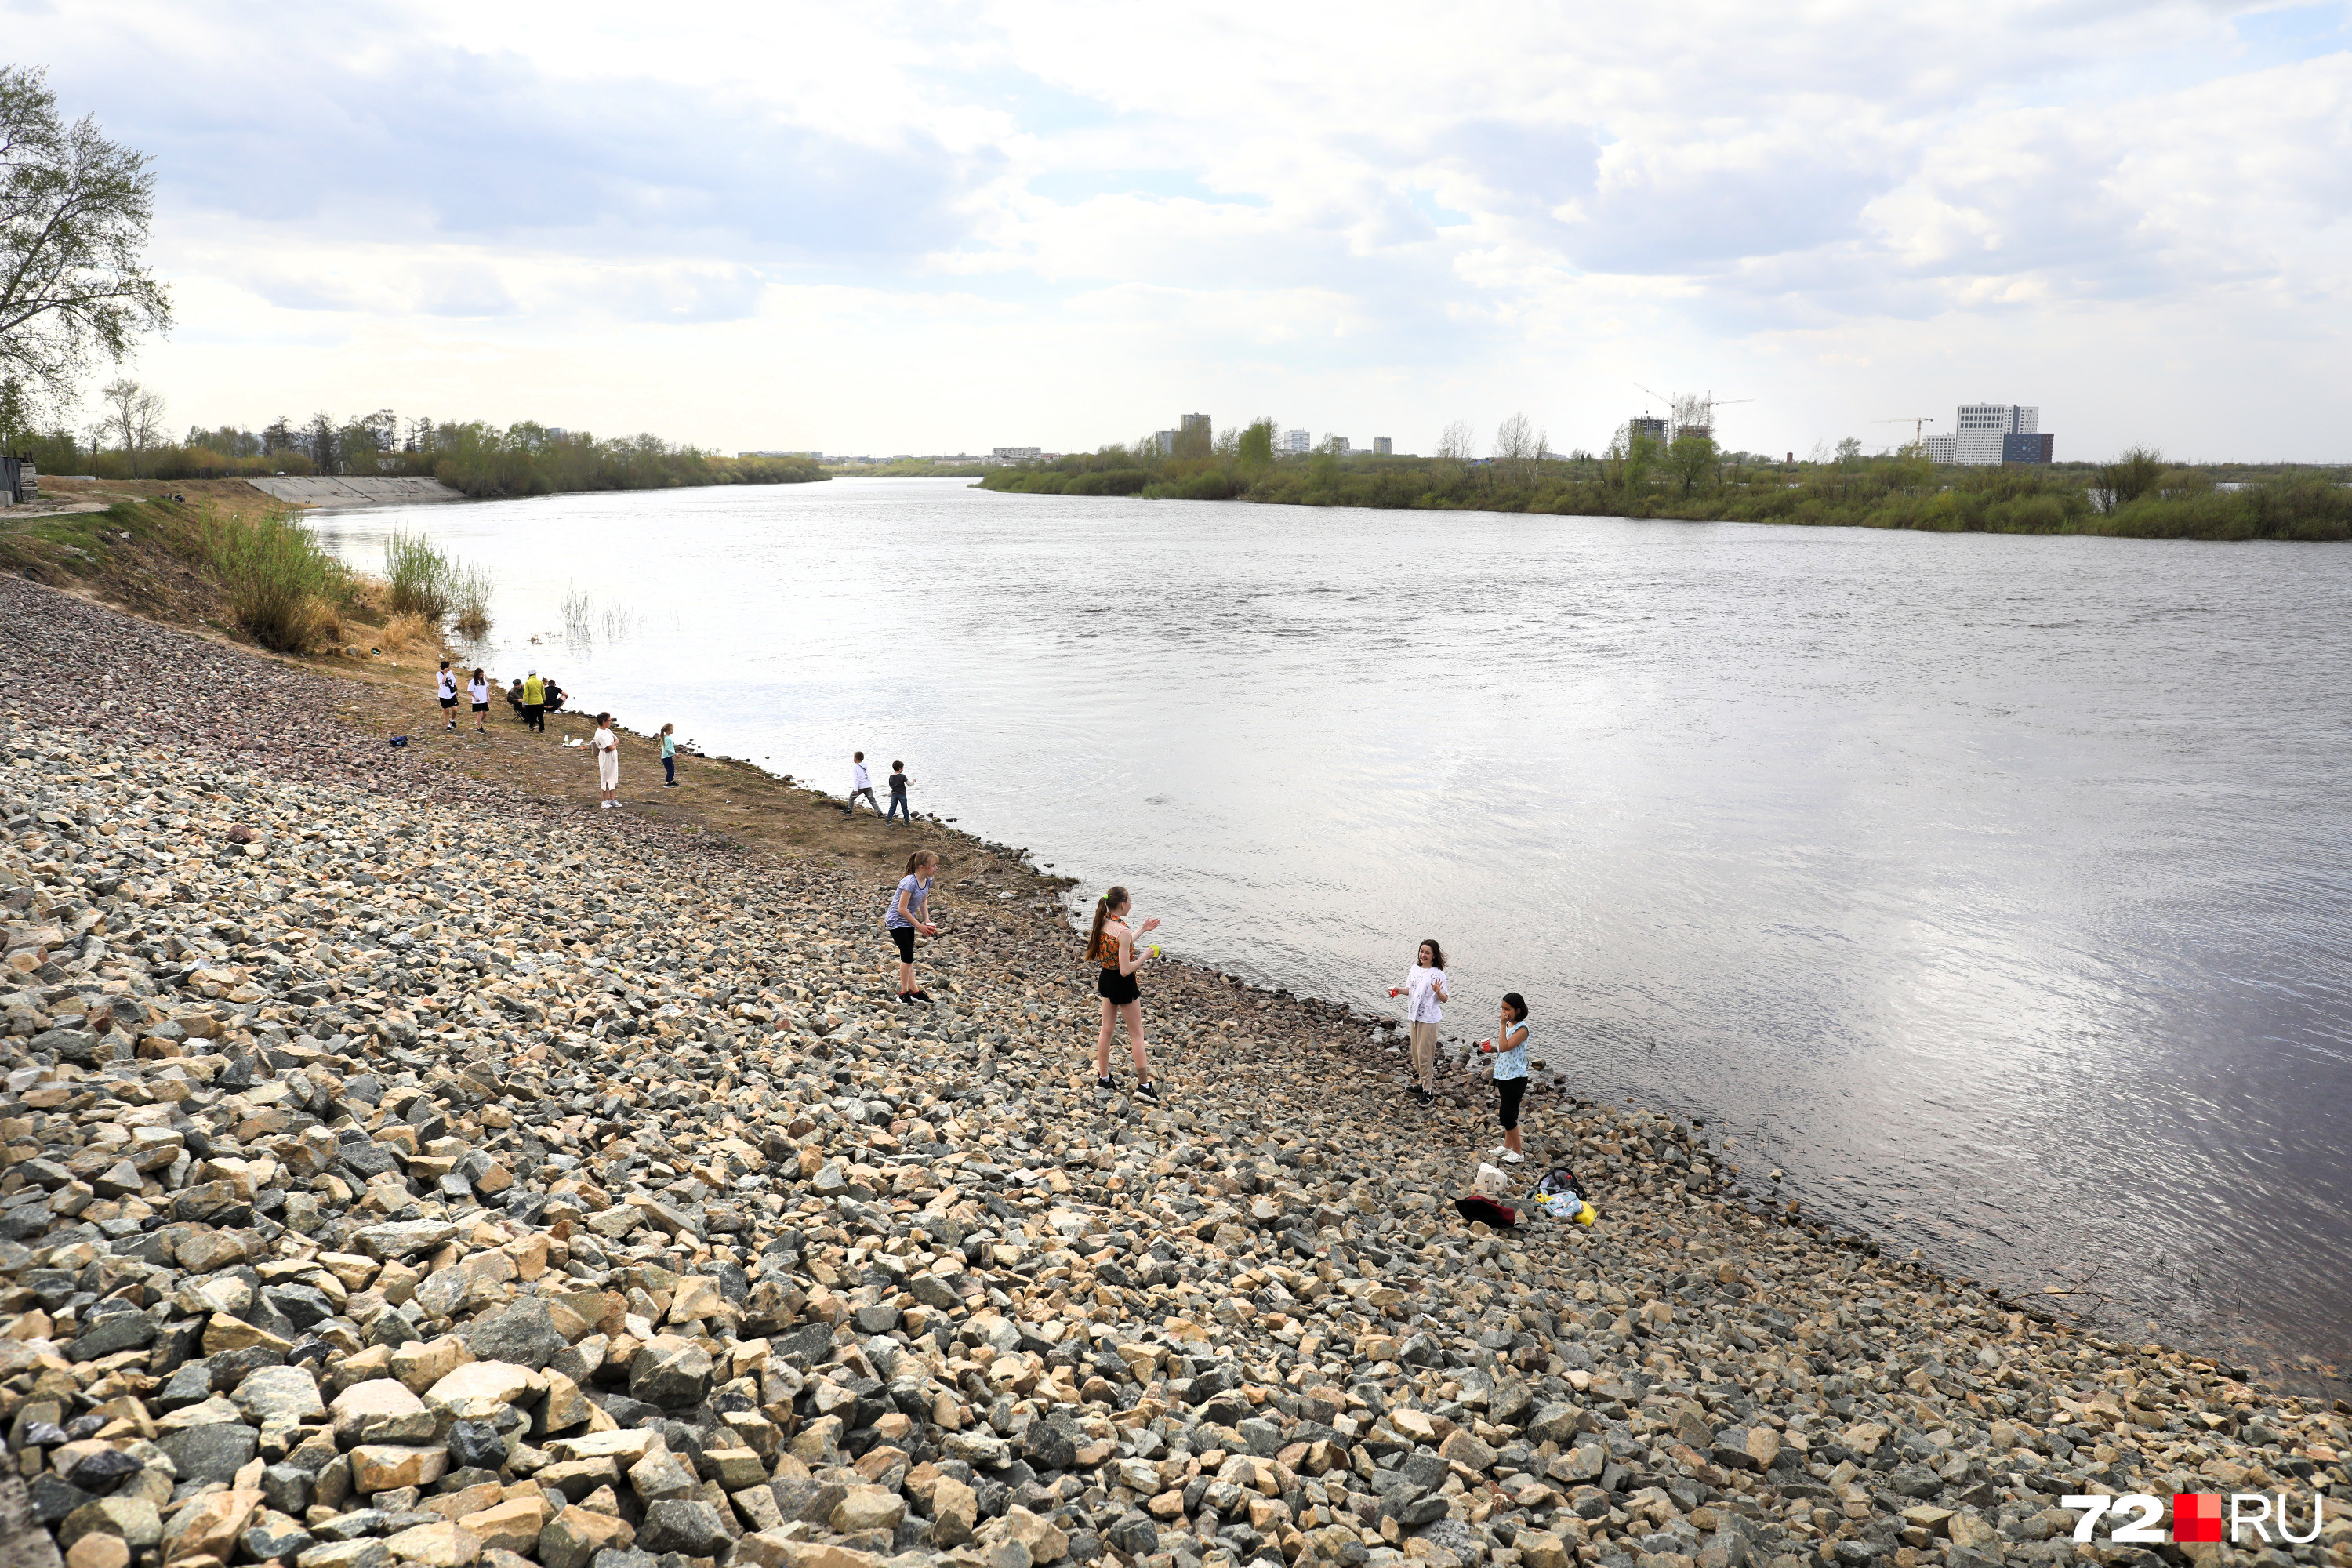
[(74, 213)]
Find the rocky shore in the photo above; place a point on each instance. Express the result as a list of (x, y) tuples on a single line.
[(398, 1170)]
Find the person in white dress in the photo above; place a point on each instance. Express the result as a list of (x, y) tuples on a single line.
[(607, 746)]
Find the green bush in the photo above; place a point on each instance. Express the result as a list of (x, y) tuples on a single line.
[(283, 589), (423, 580)]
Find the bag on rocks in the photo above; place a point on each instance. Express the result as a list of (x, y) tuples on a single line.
[(1477, 1206), (1556, 1197)]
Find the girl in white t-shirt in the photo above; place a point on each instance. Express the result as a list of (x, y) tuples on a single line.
[(607, 747), (478, 691), (1425, 986)]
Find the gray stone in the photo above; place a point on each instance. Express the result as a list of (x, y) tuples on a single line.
[(112, 1334), (1134, 1534), (523, 1334), (286, 1393), (215, 1452), (671, 1372), (689, 1528)]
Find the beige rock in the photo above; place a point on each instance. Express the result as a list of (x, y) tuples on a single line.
[(624, 1448), (955, 1508), (1763, 1446), (1863, 1437), (867, 1508), (212, 1526), (1541, 1549), (1975, 1533), (443, 1545), (99, 1552), (478, 1390), (773, 1549), (1043, 1540), (510, 1526), (223, 1333), (421, 1364), (696, 1298), (384, 1466)]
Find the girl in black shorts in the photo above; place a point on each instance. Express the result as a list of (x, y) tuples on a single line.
[(1112, 945)]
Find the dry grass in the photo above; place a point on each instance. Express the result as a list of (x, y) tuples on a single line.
[(407, 630)]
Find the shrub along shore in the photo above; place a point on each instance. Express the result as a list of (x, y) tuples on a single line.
[(2137, 500), (401, 1168)]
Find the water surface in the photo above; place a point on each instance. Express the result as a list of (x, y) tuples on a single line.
[(1996, 889)]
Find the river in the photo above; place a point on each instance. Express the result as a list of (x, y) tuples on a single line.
[(1997, 889)]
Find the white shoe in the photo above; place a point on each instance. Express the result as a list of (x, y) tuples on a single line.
[(1510, 1159)]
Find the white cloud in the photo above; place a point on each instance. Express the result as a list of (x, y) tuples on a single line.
[(934, 226)]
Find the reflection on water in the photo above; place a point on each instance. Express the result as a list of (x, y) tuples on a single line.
[(1994, 889)]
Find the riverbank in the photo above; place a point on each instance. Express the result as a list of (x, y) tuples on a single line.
[(1890, 493), (404, 1165)]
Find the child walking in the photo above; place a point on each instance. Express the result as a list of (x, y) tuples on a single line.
[(1510, 1073), (477, 692), (669, 756), (445, 689)]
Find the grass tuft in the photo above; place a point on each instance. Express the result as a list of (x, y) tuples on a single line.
[(283, 589)]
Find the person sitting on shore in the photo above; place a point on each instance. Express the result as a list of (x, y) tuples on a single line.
[(555, 695)]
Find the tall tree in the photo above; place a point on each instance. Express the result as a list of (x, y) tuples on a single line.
[(74, 213), (133, 418), (1515, 446)]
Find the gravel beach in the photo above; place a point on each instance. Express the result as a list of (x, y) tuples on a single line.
[(400, 1168)]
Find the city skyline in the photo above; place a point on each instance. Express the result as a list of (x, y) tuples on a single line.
[(851, 231)]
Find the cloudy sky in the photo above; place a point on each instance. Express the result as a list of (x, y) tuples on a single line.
[(907, 227)]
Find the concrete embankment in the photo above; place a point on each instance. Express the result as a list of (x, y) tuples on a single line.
[(401, 1169), (356, 491)]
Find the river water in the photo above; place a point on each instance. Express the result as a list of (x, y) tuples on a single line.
[(1997, 889)]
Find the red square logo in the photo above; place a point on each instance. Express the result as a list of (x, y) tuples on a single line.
[(2196, 1516)]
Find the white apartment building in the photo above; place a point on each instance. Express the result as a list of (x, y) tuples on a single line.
[(1976, 439), (1298, 441)]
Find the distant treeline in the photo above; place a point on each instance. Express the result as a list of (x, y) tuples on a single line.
[(2137, 496), (474, 457)]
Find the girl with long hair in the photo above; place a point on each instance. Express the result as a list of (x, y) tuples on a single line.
[(909, 912), (1424, 990), (1112, 945)]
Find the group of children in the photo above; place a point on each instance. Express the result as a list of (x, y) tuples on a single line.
[(861, 782), (536, 697), (1424, 990)]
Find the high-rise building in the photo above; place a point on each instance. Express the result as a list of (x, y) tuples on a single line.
[(2027, 447), (1298, 441), (1163, 442), (1189, 423), (1656, 429), (1383, 446), (1978, 434)]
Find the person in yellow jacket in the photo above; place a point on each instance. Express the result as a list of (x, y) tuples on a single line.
[(534, 701)]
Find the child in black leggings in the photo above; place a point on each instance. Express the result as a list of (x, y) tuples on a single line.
[(1510, 1072)]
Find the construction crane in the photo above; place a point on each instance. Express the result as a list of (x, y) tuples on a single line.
[(1919, 424), (1705, 406)]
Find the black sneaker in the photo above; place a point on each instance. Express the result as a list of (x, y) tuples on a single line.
[(920, 996), (1149, 1089), (1107, 1085), (1421, 1094), (906, 997)]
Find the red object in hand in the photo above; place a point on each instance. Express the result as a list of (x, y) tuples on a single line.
[(1485, 1045), (1394, 992)]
